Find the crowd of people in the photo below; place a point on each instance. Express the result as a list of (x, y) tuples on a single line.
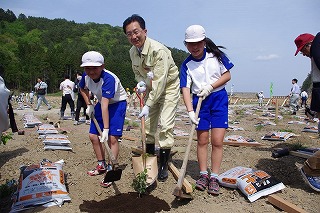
[(203, 76)]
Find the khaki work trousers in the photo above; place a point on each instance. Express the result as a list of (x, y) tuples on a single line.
[(165, 112)]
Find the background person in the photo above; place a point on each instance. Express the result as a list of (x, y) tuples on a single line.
[(80, 101), (154, 67), (309, 45), (66, 87), (110, 110), (206, 72), (41, 90), (31, 96), (260, 98), (294, 96), (304, 98), (4, 117)]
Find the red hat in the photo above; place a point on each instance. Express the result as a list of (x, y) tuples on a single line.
[(302, 40)]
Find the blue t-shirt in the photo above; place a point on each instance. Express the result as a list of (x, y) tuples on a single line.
[(207, 70), (107, 86)]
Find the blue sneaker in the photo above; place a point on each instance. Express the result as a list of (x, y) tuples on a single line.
[(313, 182)]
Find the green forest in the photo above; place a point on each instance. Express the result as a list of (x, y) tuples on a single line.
[(32, 47)]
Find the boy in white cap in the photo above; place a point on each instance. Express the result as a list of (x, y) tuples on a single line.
[(206, 72), (109, 111)]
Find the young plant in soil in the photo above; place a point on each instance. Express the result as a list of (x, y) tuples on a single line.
[(5, 137), (140, 182)]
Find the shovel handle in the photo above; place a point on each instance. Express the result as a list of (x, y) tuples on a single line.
[(143, 132), (186, 156), (109, 151)]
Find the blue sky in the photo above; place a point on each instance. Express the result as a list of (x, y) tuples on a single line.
[(258, 34)]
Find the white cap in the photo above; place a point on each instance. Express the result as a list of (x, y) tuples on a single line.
[(195, 33), (92, 59)]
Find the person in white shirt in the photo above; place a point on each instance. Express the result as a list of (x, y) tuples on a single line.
[(304, 98), (66, 87), (294, 96), (31, 94), (4, 117), (260, 98)]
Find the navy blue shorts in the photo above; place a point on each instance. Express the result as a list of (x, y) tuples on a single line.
[(214, 110), (117, 114)]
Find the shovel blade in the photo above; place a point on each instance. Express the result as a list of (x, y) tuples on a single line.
[(180, 195), (113, 175), (151, 166)]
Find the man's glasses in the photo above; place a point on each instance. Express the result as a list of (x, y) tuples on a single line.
[(134, 32)]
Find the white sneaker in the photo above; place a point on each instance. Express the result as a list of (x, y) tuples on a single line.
[(88, 122), (76, 123)]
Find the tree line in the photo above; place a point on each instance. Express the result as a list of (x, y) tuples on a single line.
[(32, 47)]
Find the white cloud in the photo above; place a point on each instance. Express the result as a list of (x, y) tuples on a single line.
[(266, 57)]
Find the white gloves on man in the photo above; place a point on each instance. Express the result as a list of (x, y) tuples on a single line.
[(205, 90), (192, 117), (144, 112), (150, 75), (104, 135), (90, 110), (141, 87)]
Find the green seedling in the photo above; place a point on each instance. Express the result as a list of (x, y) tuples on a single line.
[(296, 146), (140, 182), (5, 137), (259, 127)]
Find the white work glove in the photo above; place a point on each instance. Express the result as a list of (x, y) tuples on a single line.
[(205, 91), (90, 110), (104, 135), (150, 75), (141, 86), (144, 112), (192, 117)]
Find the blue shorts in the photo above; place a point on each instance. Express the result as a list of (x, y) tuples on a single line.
[(117, 114), (214, 110)]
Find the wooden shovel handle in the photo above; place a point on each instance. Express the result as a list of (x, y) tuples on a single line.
[(186, 155), (109, 151), (143, 132)]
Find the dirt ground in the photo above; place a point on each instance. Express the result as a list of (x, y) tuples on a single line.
[(88, 196)]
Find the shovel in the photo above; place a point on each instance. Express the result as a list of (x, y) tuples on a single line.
[(115, 173), (142, 162), (178, 191)]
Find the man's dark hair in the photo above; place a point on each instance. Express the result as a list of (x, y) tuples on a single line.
[(295, 80), (134, 17), (79, 73), (66, 76)]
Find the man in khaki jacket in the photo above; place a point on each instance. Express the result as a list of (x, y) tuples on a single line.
[(155, 69)]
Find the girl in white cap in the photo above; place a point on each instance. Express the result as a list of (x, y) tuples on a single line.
[(206, 72)]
